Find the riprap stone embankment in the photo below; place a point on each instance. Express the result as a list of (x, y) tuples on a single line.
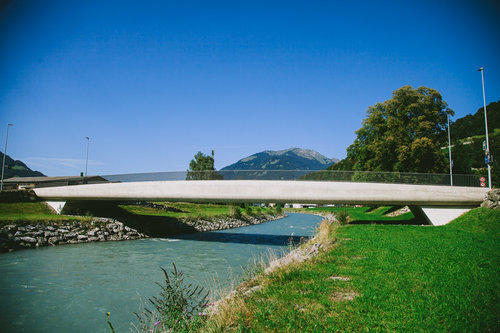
[(221, 223), (32, 234)]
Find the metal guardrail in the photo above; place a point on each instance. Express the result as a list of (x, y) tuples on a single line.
[(299, 175)]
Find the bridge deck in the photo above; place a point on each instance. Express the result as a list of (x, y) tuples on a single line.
[(271, 191)]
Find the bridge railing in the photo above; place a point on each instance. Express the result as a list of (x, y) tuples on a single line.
[(300, 175)]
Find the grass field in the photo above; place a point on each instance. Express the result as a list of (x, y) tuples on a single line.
[(388, 278), (186, 210), (38, 211), (30, 211), (358, 213)]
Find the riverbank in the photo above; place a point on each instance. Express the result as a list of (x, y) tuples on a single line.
[(47, 288), (21, 234), (33, 224), (380, 277)]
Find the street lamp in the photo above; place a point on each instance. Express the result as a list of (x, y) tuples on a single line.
[(4, 155), (487, 153), (449, 150), (87, 156)]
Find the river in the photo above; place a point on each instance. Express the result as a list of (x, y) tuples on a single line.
[(71, 287)]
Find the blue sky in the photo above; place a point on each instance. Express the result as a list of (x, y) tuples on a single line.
[(153, 82)]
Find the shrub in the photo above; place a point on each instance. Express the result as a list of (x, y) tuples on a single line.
[(235, 212), (343, 216), (248, 210), (178, 307), (279, 208)]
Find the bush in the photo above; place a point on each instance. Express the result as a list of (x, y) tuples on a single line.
[(343, 216), (178, 307), (279, 208), (248, 210), (235, 212)]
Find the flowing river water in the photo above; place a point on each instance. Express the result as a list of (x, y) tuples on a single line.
[(69, 288)]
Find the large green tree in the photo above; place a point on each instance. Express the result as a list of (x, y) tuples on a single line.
[(202, 167), (403, 133)]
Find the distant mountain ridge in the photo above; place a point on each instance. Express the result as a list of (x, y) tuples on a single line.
[(287, 159), (16, 168)]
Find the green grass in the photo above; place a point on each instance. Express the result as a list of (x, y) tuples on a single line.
[(38, 211), (357, 213), (405, 278), (188, 210), (30, 211)]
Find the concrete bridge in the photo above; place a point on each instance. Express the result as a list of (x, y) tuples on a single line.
[(437, 204)]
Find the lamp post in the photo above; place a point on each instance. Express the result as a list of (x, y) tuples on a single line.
[(87, 156), (486, 127), (449, 150), (5, 155)]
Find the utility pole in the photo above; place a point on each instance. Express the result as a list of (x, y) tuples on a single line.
[(487, 153), (87, 156), (449, 151), (5, 155)]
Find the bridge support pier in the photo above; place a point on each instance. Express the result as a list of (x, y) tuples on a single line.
[(438, 215), (57, 206)]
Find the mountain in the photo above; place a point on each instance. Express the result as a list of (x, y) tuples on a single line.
[(270, 164), (15, 168)]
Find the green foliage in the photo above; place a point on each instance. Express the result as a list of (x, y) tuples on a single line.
[(403, 133), (468, 156), (235, 212), (178, 307), (201, 167), (279, 208), (472, 125), (248, 210), (16, 168), (342, 216)]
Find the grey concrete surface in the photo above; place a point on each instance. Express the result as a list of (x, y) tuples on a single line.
[(438, 215), (271, 191)]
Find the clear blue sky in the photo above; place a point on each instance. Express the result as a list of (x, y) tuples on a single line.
[(153, 82)]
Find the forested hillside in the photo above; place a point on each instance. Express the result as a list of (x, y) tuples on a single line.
[(15, 168)]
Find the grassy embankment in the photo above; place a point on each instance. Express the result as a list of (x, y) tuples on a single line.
[(384, 278), (359, 214), (39, 212), (185, 210), (33, 212)]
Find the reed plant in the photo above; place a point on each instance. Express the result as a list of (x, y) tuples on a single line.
[(343, 216), (179, 306), (235, 212)]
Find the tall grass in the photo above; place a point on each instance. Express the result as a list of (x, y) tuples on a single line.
[(235, 211), (232, 308), (178, 307), (342, 216)]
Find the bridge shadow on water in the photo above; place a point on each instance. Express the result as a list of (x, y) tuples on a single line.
[(240, 238), (164, 226)]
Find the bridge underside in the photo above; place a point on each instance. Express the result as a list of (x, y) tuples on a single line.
[(433, 199)]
